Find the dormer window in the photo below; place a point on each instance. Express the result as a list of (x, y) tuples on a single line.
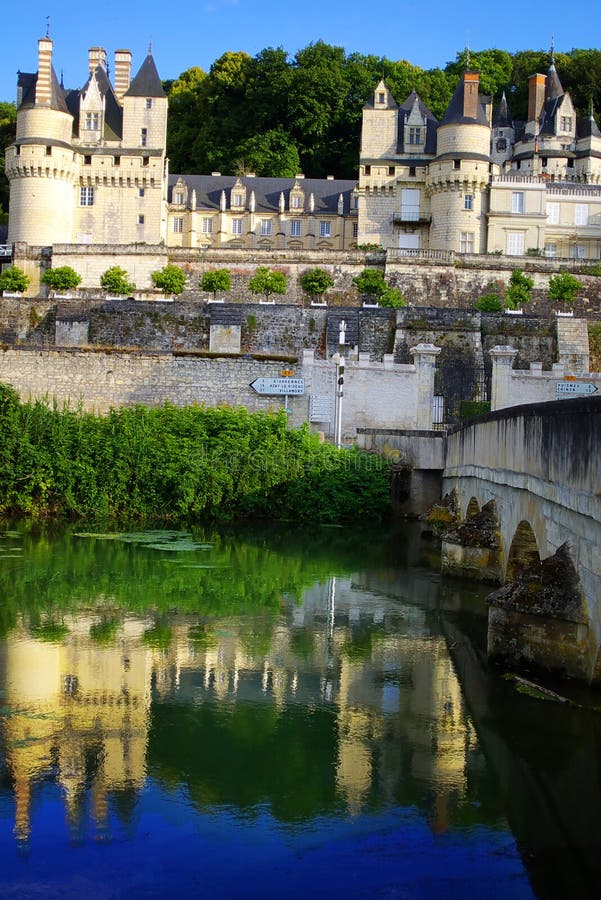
[(237, 199), (381, 97), (565, 123), (415, 135), (296, 201), (92, 121), (179, 198)]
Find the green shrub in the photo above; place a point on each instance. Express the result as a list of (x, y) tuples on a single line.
[(468, 409), (490, 303), (267, 282), (14, 280), (63, 278), (216, 280), (370, 283), (519, 292), (564, 287), (169, 279), (115, 281), (315, 282), (392, 298)]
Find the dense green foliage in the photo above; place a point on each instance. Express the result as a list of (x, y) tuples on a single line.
[(181, 464), (216, 280), (115, 280), (277, 115), (370, 283), (170, 279), (13, 279), (8, 130), (267, 282), (564, 287), (63, 278), (490, 302), (519, 291), (315, 282)]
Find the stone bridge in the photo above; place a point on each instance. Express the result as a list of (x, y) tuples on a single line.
[(524, 487)]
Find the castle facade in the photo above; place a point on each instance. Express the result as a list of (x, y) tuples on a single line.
[(89, 166)]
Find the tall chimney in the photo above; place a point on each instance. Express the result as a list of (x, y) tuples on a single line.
[(471, 81), (43, 88), (122, 72), (96, 57), (536, 96)]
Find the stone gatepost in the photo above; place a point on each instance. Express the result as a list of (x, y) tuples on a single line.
[(502, 363), (424, 359)]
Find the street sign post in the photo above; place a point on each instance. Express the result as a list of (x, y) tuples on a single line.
[(575, 388), (279, 387)]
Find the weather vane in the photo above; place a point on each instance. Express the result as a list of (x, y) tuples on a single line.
[(47, 26)]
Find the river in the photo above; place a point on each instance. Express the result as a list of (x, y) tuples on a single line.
[(271, 711)]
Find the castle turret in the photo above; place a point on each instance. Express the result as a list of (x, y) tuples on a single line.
[(40, 164), (458, 178)]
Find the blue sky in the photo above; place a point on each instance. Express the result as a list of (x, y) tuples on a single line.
[(196, 33)]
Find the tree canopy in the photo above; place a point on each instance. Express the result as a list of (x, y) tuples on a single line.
[(277, 115)]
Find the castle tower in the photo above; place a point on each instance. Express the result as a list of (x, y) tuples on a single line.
[(458, 178), (40, 165)]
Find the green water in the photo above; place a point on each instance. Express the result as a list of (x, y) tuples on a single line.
[(269, 712)]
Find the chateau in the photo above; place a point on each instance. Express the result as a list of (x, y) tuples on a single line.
[(89, 166)]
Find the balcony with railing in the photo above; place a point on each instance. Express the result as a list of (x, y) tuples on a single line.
[(411, 215)]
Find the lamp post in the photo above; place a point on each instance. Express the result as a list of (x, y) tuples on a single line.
[(339, 357)]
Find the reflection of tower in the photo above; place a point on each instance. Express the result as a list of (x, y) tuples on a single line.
[(83, 702)]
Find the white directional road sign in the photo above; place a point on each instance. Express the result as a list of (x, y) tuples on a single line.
[(278, 386), (573, 388)]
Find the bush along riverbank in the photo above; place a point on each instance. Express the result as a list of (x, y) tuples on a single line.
[(184, 464)]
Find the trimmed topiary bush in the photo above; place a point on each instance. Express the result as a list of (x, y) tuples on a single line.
[(63, 278), (13, 280), (169, 279), (115, 281)]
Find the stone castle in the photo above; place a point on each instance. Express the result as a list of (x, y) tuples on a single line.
[(89, 166)]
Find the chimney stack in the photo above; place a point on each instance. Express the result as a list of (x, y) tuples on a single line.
[(536, 96), (96, 57), (471, 82), (43, 88), (122, 72)]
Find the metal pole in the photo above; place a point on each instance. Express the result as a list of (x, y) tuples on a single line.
[(340, 381)]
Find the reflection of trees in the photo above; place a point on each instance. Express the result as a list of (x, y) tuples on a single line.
[(248, 756)]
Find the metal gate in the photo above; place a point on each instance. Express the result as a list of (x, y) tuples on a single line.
[(460, 391)]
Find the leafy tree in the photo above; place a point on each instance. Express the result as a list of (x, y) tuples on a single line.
[(63, 278), (8, 130), (495, 68), (13, 279), (315, 282), (187, 107), (115, 281), (370, 283), (272, 154), (216, 280), (267, 282), (170, 279), (564, 287), (519, 292)]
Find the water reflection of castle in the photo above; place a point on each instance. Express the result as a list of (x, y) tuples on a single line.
[(80, 709)]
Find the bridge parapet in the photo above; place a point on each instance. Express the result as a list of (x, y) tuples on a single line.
[(541, 465)]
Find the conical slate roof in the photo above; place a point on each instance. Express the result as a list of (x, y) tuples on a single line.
[(503, 117), (147, 82)]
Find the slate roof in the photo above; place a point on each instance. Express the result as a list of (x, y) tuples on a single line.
[(588, 127), (267, 191), (147, 82), (390, 101), (503, 117), (27, 82), (454, 113)]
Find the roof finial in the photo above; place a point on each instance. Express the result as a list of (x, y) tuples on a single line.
[(47, 26), (552, 53), (62, 81), (150, 47), (468, 60)]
